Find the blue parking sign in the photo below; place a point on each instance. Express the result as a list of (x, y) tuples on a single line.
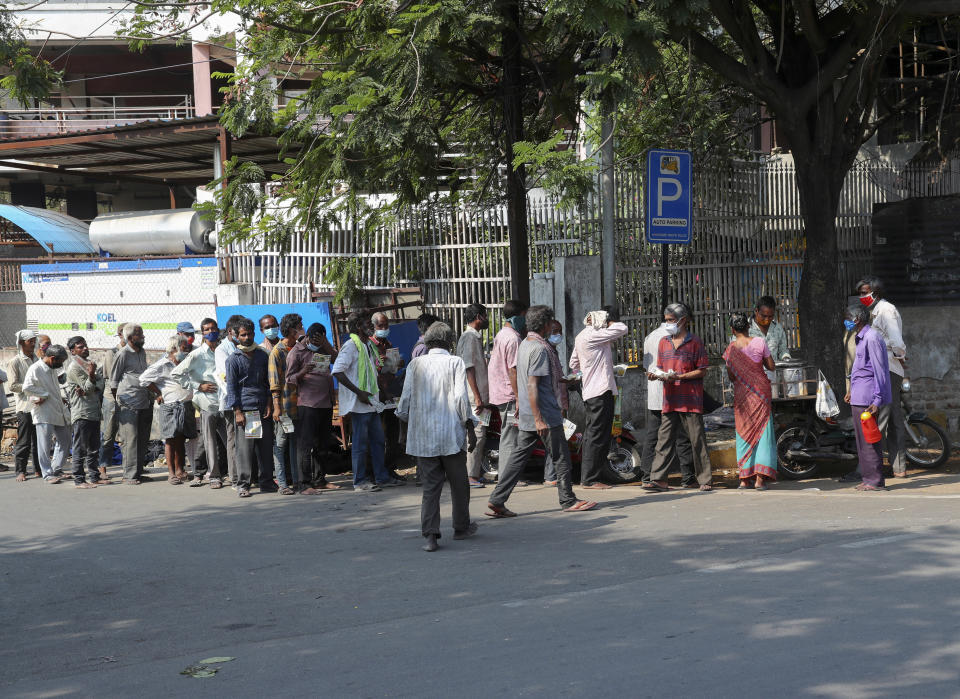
[(668, 198)]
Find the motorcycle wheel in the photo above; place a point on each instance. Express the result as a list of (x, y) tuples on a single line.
[(623, 462), (927, 444), (794, 438)]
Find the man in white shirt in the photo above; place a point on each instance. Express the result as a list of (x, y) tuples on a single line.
[(51, 417), (439, 419), (470, 350), (26, 433), (356, 374), (885, 319), (223, 351), (198, 372), (593, 356), (688, 476)]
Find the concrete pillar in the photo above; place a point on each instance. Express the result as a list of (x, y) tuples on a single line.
[(82, 204), (28, 194), (202, 90)]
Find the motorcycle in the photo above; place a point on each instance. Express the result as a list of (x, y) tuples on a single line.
[(805, 441), (623, 460)]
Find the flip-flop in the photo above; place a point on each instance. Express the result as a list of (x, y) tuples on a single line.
[(654, 488), (285, 490), (474, 483), (706, 488), (580, 506), (596, 486), (499, 512), (85, 485), (329, 486), (745, 487), (173, 480)]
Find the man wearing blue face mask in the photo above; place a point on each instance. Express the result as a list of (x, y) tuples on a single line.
[(198, 372), (270, 328)]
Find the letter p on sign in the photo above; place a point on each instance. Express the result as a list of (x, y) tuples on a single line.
[(663, 184)]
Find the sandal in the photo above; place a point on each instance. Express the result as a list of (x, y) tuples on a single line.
[(329, 486), (244, 493), (580, 506), (309, 491), (596, 486), (85, 485), (863, 488), (706, 488), (499, 511), (173, 480), (215, 485), (653, 487), (285, 490)]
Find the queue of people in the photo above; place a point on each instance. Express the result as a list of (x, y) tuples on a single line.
[(234, 412)]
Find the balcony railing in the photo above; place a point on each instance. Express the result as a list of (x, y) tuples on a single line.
[(59, 115)]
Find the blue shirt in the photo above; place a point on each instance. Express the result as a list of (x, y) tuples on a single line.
[(870, 375), (247, 386)]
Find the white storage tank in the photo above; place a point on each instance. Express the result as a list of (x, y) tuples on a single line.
[(164, 232)]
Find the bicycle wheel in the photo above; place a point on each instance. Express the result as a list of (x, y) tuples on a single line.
[(928, 445)]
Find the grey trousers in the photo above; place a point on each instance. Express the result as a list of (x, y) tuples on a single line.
[(510, 472), (508, 435), (685, 458), (890, 420), (134, 434), (231, 426), (670, 426), (110, 421), (212, 428), (433, 471), (475, 458)]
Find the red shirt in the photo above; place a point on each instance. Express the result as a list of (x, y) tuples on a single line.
[(682, 396)]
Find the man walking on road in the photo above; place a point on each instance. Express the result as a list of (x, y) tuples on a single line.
[(593, 355), (134, 404), (540, 418), (51, 417), (470, 350), (85, 386), (26, 433), (885, 320), (439, 419)]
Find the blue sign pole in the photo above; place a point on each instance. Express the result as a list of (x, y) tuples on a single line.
[(668, 205)]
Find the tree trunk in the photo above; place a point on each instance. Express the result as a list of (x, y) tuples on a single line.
[(512, 132), (822, 299)]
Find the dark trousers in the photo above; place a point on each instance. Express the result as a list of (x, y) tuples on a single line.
[(391, 435), (26, 443), (890, 420), (683, 452), (86, 450), (510, 472), (111, 423), (433, 471), (671, 425), (869, 455), (255, 453), (313, 435), (596, 436), (134, 434)]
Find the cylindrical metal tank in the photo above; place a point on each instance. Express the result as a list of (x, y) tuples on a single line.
[(164, 232)]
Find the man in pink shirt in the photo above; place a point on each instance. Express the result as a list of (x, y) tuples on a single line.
[(502, 374), (593, 355)]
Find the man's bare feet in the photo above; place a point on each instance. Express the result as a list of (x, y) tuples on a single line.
[(21, 477), (85, 485)]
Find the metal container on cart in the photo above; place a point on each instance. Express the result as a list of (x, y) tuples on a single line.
[(793, 378)]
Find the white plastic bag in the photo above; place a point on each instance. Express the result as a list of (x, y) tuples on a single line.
[(826, 401)]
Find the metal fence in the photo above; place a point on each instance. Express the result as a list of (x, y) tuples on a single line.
[(748, 242)]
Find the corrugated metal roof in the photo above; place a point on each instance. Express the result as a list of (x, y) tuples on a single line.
[(55, 232)]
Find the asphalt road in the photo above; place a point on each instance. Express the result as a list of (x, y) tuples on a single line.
[(112, 592)]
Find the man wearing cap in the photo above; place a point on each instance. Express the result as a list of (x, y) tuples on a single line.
[(51, 417), (26, 433), (186, 332), (111, 418)]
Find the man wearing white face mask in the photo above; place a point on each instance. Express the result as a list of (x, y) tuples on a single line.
[(593, 356)]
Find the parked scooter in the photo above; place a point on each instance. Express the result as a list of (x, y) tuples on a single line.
[(805, 441)]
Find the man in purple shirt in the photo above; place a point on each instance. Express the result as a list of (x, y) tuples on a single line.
[(502, 374), (593, 356), (869, 390)]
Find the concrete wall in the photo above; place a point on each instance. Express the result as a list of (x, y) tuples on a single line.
[(932, 336)]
